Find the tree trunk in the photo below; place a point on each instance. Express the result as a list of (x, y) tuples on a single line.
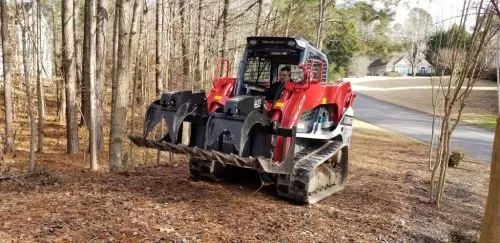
[(259, 14), (136, 76), (136, 16), (158, 44), (490, 229), (78, 44), (69, 67), (39, 85), (133, 43), (7, 71), (61, 98), (288, 18), (169, 44), (184, 48), (275, 22), (224, 28), (321, 19), (266, 22), (191, 53), (31, 118), (197, 73), (414, 58), (89, 78), (85, 85), (115, 47), (120, 88), (102, 20)]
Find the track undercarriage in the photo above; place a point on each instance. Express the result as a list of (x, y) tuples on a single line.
[(320, 170)]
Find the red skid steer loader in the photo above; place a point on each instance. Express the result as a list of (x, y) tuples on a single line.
[(297, 131)]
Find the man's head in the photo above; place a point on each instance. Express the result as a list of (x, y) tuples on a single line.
[(285, 74)]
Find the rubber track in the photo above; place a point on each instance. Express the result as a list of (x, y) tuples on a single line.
[(309, 163)]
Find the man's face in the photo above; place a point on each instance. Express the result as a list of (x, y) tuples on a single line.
[(284, 76)]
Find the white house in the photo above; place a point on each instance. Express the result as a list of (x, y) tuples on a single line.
[(399, 64)]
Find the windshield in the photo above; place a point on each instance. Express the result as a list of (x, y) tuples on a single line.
[(258, 71)]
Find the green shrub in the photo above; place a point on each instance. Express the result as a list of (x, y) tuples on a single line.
[(392, 74), (490, 74), (442, 71), (425, 74), (458, 236), (336, 74), (455, 158)]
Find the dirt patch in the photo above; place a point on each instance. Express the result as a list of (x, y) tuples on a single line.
[(385, 200)]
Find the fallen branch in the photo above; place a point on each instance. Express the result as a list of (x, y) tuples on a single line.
[(2, 162), (3, 178)]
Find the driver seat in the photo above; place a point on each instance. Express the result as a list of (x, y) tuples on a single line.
[(274, 91)]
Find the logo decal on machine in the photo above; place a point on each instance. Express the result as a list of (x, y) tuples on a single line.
[(299, 108), (257, 103), (347, 120)]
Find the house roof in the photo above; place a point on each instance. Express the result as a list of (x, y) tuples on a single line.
[(378, 63), (382, 62), (396, 61)]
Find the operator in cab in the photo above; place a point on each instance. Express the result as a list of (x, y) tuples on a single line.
[(274, 91)]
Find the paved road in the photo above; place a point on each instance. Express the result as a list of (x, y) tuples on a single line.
[(474, 141)]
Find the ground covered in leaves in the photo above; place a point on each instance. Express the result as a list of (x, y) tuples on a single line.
[(385, 200)]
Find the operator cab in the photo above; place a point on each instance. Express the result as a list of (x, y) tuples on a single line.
[(263, 59)]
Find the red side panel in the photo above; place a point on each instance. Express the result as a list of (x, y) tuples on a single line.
[(300, 97), (222, 90)]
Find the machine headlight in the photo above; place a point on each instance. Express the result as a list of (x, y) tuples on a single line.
[(252, 42), (305, 122), (301, 125), (291, 43)]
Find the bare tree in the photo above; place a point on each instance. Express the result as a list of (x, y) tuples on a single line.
[(274, 21), (184, 46), (490, 229), (39, 85), (102, 20), (138, 67), (456, 88), (224, 28), (133, 38), (78, 53), (89, 76), (358, 66), (323, 7), (289, 16), (259, 14), (25, 29), (7, 72), (158, 44), (69, 70), (120, 87), (60, 94), (199, 40), (288, 10), (417, 26)]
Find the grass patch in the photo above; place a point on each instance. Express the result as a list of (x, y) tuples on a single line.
[(486, 121)]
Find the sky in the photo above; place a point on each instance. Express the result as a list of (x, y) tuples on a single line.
[(444, 12)]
